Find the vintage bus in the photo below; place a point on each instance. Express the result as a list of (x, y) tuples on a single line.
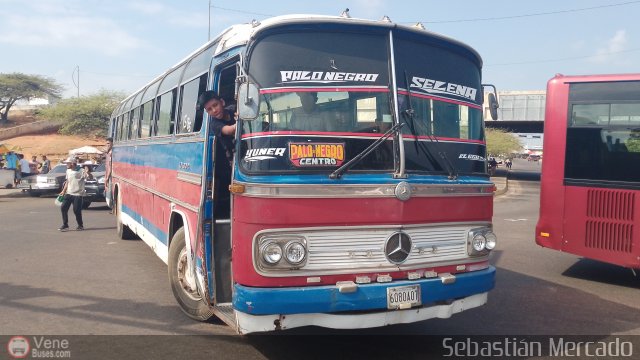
[(590, 182), (376, 212)]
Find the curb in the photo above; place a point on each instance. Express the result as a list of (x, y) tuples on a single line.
[(12, 193), (501, 191)]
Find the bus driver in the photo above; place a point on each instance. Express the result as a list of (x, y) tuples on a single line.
[(309, 117)]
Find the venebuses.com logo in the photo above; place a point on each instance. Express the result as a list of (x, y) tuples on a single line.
[(38, 347), (18, 347)]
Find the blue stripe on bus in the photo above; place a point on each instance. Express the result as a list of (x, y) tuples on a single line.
[(163, 155), (327, 299), (154, 230)]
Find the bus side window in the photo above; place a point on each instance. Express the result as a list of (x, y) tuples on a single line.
[(147, 113), (227, 87), (191, 117), (166, 108)]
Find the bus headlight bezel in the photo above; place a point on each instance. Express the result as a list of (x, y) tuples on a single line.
[(295, 248), (271, 253), (480, 241), (291, 248)]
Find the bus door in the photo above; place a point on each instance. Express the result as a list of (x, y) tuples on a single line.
[(224, 84)]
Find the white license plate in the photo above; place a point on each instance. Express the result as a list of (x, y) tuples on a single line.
[(403, 297)]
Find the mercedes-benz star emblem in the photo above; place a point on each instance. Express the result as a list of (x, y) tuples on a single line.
[(398, 247), (403, 191)]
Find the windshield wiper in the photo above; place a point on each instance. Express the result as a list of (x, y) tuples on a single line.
[(410, 113), (374, 145)]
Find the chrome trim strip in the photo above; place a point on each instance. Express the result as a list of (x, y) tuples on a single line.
[(190, 177), (361, 191), (360, 249), (157, 193)]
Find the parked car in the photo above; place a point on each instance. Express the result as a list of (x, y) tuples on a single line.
[(49, 183), (534, 158), (53, 181), (95, 188)]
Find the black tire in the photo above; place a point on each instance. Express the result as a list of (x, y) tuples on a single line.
[(124, 232), (86, 204), (190, 301)]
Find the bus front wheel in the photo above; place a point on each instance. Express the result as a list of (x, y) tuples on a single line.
[(185, 292)]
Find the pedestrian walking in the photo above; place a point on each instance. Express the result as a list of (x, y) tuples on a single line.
[(73, 192)]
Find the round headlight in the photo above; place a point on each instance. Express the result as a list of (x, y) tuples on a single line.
[(479, 242), (295, 252), (272, 253), (491, 239)]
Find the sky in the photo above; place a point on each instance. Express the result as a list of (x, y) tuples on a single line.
[(120, 45)]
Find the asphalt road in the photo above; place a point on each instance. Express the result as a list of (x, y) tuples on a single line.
[(89, 282)]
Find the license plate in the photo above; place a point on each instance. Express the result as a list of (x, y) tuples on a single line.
[(403, 297)]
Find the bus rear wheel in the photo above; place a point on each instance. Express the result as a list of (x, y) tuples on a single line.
[(187, 296)]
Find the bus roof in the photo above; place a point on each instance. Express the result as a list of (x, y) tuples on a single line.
[(595, 78), (241, 34)]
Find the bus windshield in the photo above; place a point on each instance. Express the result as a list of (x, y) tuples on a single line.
[(334, 92)]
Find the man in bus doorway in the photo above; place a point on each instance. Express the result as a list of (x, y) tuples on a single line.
[(223, 123), (73, 191), (223, 126)]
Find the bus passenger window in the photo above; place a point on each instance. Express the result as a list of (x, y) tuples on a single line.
[(165, 113), (135, 123), (190, 115), (147, 112)]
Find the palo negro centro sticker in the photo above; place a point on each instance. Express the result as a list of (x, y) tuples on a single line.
[(316, 154)]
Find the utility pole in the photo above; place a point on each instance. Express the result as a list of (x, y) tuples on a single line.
[(76, 69), (209, 27)]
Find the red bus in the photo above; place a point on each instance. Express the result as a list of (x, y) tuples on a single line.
[(378, 212), (590, 183)]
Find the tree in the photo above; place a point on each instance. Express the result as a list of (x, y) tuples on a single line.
[(18, 86), (86, 115), (501, 142)]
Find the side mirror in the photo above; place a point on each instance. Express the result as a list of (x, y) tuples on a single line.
[(248, 101), (493, 106)]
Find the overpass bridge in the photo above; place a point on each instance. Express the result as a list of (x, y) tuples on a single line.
[(521, 113)]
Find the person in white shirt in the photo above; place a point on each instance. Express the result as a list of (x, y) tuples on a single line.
[(73, 192), (25, 170)]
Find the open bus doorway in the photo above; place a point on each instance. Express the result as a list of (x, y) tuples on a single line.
[(223, 172)]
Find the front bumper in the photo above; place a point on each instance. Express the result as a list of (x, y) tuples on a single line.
[(367, 297), (270, 309), (94, 192), (40, 187)]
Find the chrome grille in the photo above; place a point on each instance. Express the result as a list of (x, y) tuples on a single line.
[(363, 248)]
